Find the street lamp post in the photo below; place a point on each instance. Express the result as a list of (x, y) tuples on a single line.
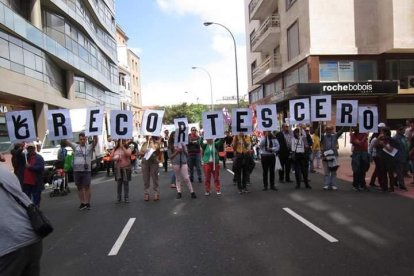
[(235, 57), (211, 86)]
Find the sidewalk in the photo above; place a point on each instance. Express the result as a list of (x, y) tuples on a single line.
[(345, 173)]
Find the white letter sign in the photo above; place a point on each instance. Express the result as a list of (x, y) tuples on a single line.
[(20, 125), (152, 122), (59, 124), (181, 131), (321, 108), (266, 117), (94, 121), (346, 112), (368, 119), (299, 111), (242, 121), (213, 124), (121, 124)]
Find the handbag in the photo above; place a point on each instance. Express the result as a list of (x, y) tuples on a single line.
[(278, 165), (40, 223), (292, 154)]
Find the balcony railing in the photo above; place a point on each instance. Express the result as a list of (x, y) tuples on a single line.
[(271, 21), (270, 65), (252, 6)]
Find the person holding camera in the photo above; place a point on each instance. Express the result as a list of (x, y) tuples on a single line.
[(82, 173), (122, 163)]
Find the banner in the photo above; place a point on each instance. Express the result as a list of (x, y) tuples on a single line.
[(241, 121), (267, 118), (181, 131), (213, 124), (59, 124), (20, 125), (121, 124), (94, 119), (321, 108), (152, 122), (346, 112), (299, 111), (368, 119)]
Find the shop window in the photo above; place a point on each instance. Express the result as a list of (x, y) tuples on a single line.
[(347, 70)]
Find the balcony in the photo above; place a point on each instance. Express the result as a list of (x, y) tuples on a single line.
[(270, 68), (260, 9), (267, 36)]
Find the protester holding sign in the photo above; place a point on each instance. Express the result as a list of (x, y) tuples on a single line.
[(178, 155), (121, 155), (149, 152), (360, 159), (242, 148), (211, 164), (284, 138), (269, 147), (82, 168), (194, 154), (33, 174), (329, 148), (18, 161), (299, 158)]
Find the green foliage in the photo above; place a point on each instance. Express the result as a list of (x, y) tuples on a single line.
[(193, 111)]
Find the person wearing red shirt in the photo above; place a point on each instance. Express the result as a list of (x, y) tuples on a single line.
[(33, 174), (360, 159)]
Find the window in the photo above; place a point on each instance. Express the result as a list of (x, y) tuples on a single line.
[(293, 41), (347, 70), (252, 69)]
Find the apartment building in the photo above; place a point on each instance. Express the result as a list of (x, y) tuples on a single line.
[(129, 78), (297, 48), (57, 54)]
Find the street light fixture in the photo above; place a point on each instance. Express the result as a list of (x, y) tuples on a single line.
[(235, 57), (211, 86)]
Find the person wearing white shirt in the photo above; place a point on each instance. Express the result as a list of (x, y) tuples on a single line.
[(269, 146), (299, 145)]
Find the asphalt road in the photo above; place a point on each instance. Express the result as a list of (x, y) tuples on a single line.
[(288, 232)]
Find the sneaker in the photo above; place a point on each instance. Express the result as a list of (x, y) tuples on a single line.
[(82, 207), (193, 195), (273, 188), (334, 188), (88, 206), (240, 192), (246, 191), (326, 187), (126, 200), (172, 186), (356, 189), (178, 196), (207, 193), (218, 192)]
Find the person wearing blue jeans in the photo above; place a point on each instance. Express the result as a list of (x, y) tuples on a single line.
[(194, 154)]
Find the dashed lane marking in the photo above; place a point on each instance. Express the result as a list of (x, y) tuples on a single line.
[(117, 246), (310, 225)]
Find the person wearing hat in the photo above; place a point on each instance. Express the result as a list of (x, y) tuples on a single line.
[(401, 144), (33, 174)]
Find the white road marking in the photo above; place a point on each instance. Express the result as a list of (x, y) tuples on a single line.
[(310, 225), (230, 171), (121, 238)]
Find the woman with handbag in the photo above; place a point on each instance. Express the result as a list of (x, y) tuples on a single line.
[(121, 155), (299, 146)]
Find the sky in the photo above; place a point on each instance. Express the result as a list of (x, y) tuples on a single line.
[(170, 39)]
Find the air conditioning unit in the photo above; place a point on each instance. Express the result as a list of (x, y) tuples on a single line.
[(410, 81)]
